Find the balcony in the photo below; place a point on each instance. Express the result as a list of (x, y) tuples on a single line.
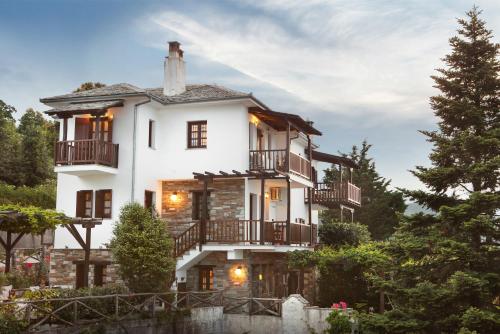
[(86, 156), (269, 160), (245, 232), (333, 194)]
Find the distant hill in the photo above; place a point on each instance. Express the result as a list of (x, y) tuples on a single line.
[(416, 208)]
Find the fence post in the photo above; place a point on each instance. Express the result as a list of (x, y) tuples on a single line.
[(116, 306), (153, 311), (75, 312)]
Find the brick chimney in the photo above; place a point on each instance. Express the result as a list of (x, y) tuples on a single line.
[(175, 73)]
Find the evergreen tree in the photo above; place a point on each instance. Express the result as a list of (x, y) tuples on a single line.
[(379, 205), (143, 249), (36, 161), (446, 277), (9, 146)]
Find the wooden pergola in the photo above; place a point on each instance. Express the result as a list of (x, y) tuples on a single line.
[(88, 224), (261, 175)]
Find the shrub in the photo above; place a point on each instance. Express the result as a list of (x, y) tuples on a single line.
[(43, 196), (143, 248), (336, 233), (339, 323)]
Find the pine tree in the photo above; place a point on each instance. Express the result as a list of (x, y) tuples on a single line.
[(446, 275), (36, 161), (379, 205)]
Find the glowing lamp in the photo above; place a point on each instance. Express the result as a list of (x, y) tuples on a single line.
[(238, 271), (174, 197), (266, 195), (261, 277)]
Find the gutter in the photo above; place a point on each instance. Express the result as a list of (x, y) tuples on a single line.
[(134, 146)]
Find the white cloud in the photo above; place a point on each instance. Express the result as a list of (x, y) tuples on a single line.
[(337, 55)]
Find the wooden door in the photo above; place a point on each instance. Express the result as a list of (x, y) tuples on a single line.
[(82, 128), (79, 276), (99, 274)]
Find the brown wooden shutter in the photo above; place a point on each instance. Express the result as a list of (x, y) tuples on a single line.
[(99, 203), (80, 204), (108, 215)]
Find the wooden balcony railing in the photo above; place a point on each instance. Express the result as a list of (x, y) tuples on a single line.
[(300, 165), (277, 160), (86, 151), (268, 160), (334, 193), (235, 231)]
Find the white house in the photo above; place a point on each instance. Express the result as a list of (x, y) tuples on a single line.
[(234, 180)]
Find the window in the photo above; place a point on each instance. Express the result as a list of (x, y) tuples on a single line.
[(197, 134), (206, 278), (105, 129), (198, 205), (103, 199), (149, 199), (151, 134), (275, 194), (84, 204), (99, 274)]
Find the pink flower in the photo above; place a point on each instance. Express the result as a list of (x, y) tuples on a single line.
[(343, 305), (335, 306)]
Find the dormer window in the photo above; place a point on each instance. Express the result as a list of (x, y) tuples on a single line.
[(197, 134)]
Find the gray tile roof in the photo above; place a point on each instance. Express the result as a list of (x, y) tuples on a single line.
[(193, 93), (112, 90), (196, 93), (90, 106)]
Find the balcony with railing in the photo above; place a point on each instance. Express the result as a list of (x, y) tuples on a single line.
[(235, 231), (332, 194), (268, 160), (75, 156)]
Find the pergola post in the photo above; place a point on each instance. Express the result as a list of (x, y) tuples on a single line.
[(8, 246), (262, 208), (204, 212), (88, 225), (288, 147), (288, 211)]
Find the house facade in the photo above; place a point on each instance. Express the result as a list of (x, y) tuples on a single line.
[(234, 181)]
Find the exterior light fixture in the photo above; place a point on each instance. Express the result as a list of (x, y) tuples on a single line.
[(174, 197), (238, 271), (261, 277), (266, 195)]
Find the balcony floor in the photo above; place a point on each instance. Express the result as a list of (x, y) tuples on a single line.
[(83, 170)]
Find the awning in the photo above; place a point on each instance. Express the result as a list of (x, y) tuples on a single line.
[(84, 108), (334, 159), (279, 121)]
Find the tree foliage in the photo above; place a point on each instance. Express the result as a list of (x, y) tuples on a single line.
[(335, 233), (43, 195), (143, 249), (9, 146), (446, 275), (379, 205)]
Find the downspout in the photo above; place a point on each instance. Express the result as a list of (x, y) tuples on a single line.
[(134, 146)]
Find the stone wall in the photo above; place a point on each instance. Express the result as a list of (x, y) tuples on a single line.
[(63, 266), (227, 199)]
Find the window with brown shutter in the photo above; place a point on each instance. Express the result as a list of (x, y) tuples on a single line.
[(197, 134), (206, 278), (84, 203), (103, 203)]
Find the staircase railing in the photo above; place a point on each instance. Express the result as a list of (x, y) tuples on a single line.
[(187, 239)]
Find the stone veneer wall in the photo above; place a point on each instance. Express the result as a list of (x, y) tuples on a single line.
[(63, 268), (227, 199), (224, 278)]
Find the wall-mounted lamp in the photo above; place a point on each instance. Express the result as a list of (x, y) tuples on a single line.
[(261, 277), (238, 271), (266, 195), (174, 197)]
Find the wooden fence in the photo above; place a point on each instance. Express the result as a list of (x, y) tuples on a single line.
[(89, 310)]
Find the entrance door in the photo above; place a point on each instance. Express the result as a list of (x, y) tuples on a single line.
[(99, 274)]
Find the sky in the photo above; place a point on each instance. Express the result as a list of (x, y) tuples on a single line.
[(360, 69)]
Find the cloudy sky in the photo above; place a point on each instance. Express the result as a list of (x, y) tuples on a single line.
[(358, 69)]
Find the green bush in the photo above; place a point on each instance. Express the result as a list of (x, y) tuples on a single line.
[(43, 196), (21, 280), (339, 323)]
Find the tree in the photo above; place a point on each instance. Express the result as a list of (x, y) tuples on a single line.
[(88, 86), (379, 206), (143, 250), (36, 161), (9, 146), (335, 233), (447, 275)]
